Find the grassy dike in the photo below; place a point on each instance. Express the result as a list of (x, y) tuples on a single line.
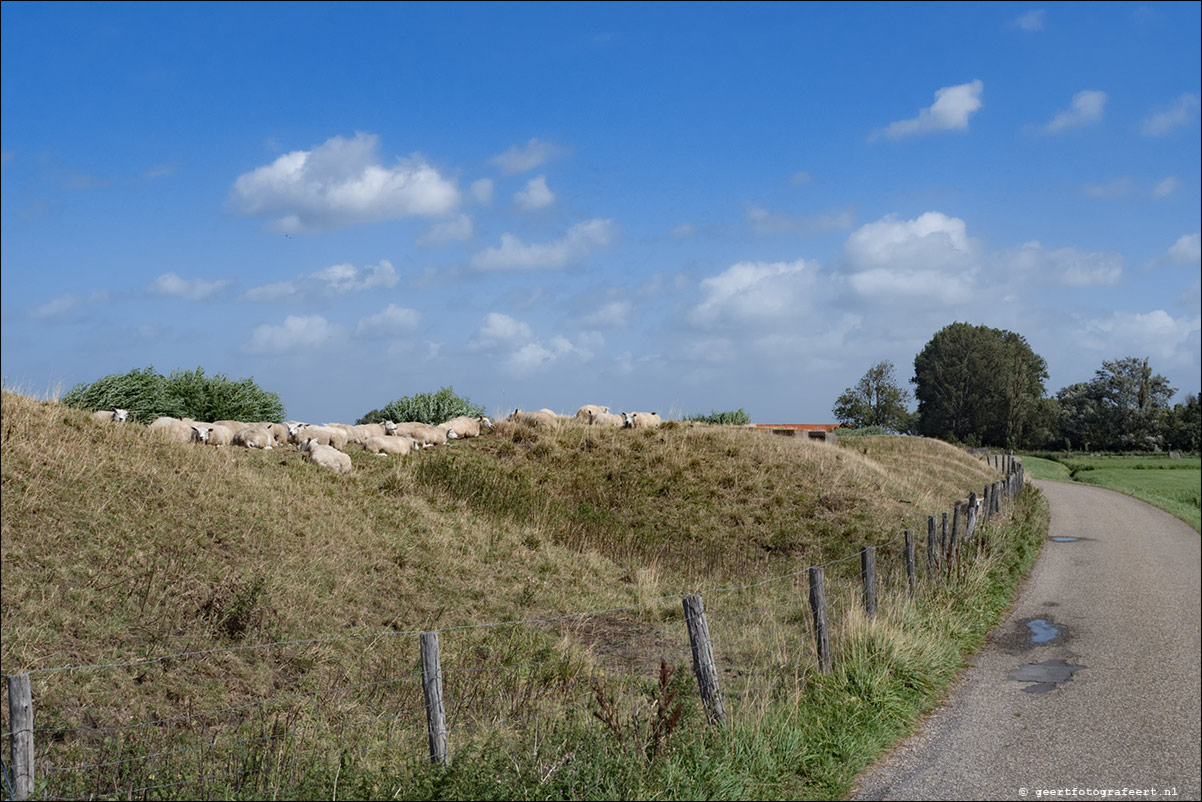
[(119, 548)]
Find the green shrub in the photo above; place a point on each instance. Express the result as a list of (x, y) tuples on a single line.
[(728, 418), (430, 408), (147, 394)]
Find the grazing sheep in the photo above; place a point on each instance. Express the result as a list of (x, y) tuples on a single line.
[(642, 420), (464, 426), (111, 415), (397, 444), (326, 456), (255, 437), (424, 433), (586, 412), (542, 419), (605, 419), (173, 429)]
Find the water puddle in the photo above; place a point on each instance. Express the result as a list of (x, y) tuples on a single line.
[(1041, 630), (1063, 539), (1045, 676)]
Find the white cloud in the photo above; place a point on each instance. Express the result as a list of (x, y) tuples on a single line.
[(66, 306), (295, 334), (1031, 21), (500, 329), (482, 191), (172, 285), (580, 240), (519, 159), (1068, 267), (1180, 114), (534, 355), (341, 183), (536, 195), (683, 231), (331, 281), (1166, 187), (456, 229), (1156, 334), (1187, 250), (754, 292), (393, 321), (763, 221), (1086, 109), (931, 255), (800, 178), (1116, 188), (615, 314), (950, 112)]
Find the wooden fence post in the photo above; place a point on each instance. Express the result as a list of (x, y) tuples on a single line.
[(818, 606), (942, 536), (910, 560), (953, 538), (20, 722), (868, 572), (932, 546), (703, 659), (436, 722)]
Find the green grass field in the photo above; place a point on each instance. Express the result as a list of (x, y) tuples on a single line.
[(290, 601), (1173, 485)]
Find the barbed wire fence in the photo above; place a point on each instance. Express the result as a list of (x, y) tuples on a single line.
[(412, 696)]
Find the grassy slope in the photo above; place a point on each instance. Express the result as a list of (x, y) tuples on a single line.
[(117, 546)]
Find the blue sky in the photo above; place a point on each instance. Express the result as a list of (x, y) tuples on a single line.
[(679, 208)]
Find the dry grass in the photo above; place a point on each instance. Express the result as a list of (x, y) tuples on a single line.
[(117, 546)]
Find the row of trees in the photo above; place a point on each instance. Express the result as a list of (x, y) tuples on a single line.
[(982, 386)]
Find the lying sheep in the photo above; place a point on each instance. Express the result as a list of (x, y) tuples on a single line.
[(424, 433), (363, 432), (605, 419), (278, 432), (255, 437), (111, 415), (173, 429), (464, 426), (212, 434), (641, 420), (397, 444), (326, 456), (234, 426), (300, 432), (585, 413), (542, 419)]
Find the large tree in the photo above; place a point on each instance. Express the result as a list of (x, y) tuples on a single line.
[(876, 400), (977, 384), (1125, 407)]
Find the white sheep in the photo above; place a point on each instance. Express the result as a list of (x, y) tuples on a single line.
[(173, 429), (326, 456), (212, 434), (396, 444), (542, 419), (233, 425), (642, 420), (465, 426), (424, 433), (605, 419), (586, 412), (298, 433), (111, 415), (255, 437)]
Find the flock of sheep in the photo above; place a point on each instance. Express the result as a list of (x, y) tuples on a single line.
[(326, 445)]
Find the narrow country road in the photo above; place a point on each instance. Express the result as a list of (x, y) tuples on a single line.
[(1090, 688)]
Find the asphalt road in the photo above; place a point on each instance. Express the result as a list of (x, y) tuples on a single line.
[(1108, 706)]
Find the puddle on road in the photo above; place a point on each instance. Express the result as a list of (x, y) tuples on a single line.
[(1063, 539), (1045, 676), (1041, 630)]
